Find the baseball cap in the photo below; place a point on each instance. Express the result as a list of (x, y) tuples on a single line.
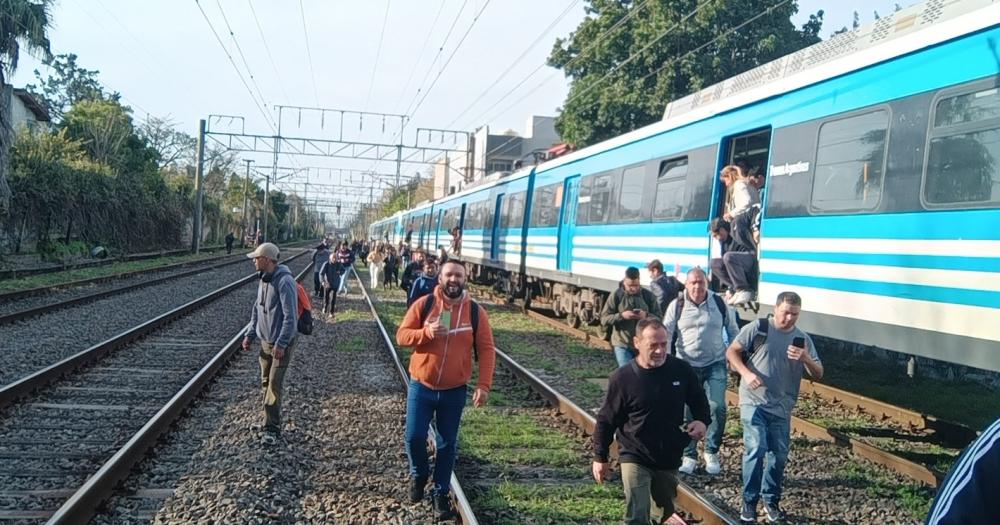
[(265, 250)]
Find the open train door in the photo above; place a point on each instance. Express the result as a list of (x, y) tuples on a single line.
[(567, 223), (495, 230)]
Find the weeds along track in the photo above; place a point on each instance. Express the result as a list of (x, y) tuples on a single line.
[(59, 428), (824, 482)]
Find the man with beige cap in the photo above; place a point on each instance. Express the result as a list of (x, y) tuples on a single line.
[(272, 319)]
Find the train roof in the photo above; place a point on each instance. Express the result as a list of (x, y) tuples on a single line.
[(905, 31)]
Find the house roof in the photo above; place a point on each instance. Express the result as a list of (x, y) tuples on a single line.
[(33, 104)]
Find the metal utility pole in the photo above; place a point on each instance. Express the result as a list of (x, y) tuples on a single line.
[(267, 190), (246, 205), (198, 188)]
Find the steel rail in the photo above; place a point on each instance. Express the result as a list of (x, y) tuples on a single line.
[(461, 501), (81, 506), (46, 308), (42, 290), (27, 272), (24, 386)]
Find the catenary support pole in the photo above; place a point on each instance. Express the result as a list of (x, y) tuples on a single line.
[(199, 189)]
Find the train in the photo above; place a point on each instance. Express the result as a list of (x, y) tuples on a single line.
[(881, 154)]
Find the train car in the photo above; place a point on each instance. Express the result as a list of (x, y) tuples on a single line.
[(881, 150)]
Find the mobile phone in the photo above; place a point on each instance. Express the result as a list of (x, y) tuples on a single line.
[(636, 311), (799, 342), (446, 319)]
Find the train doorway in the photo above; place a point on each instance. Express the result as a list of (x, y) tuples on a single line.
[(567, 224), (750, 151)]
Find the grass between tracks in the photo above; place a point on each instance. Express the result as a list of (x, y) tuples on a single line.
[(507, 444), (52, 279), (915, 499)]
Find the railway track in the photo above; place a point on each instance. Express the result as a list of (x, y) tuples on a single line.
[(15, 273), (533, 441), (871, 492), (69, 432)]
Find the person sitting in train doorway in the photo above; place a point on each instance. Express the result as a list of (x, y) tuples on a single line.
[(770, 356), (456, 241), (696, 322), (623, 310), (448, 331), (664, 287), (645, 407), (736, 269), (425, 283)]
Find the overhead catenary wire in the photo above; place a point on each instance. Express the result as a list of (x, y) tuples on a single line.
[(430, 68), (267, 118), (239, 49), (305, 34), (378, 53), (500, 77), (423, 48), (267, 50)]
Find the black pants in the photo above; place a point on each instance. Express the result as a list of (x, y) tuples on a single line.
[(330, 299), (736, 270)]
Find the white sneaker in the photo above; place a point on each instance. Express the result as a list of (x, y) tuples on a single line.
[(688, 465), (741, 297), (712, 465)]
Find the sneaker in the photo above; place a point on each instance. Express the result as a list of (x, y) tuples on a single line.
[(688, 465), (269, 439), (417, 489), (442, 506), (749, 513), (741, 297), (773, 513), (712, 465)]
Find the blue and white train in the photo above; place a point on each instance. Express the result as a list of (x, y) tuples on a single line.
[(881, 149)]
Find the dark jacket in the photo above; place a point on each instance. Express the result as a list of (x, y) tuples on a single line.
[(968, 495), (331, 272), (422, 286), (320, 257), (620, 301), (646, 408), (275, 312), (409, 274), (665, 288)]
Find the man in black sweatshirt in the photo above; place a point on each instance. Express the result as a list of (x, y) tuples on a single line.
[(645, 405)]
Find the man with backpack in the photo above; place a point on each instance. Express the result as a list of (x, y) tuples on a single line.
[(425, 283), (273, 319), (664, 287), (695, 322), (629, 304), (447, 331), (770, 356)]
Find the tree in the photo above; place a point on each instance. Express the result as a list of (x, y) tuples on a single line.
[(618, 84), (67, 84), (175, 148), (22, 22)]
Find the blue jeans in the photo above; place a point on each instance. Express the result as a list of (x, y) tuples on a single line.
[(713, 380), (445, 406), (765, 436), (343, 282), (623, 355)]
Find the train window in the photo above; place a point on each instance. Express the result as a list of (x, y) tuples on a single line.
[(600, 198), (630, 196), (545, 206), (583, 201), (850, 163), (669, 202), (513, 214), (963, 158)]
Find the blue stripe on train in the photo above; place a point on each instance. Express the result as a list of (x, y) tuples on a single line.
[(930, 262), (968, 225), (937, 294)]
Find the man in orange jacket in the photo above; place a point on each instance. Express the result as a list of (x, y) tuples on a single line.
[(440, 366)]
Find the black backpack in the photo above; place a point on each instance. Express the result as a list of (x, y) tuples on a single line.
[(473, 318), (719, 303), (763, 324)]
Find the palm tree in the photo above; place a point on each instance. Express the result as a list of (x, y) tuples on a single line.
[(22, 23)]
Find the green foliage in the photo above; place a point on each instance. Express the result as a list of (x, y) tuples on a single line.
[(613, 92), (23, 23), (66, 84)]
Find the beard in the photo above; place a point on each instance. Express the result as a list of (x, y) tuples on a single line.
[(453, 291)]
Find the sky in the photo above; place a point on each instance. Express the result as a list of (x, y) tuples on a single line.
[(380, 56)]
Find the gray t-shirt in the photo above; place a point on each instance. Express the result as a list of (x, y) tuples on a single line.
[(779, 376)]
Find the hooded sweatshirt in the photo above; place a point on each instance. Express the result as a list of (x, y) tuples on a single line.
[(442, 363), (273, 317)]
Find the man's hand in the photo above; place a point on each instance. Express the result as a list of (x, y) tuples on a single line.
[(246, 343), (695, 429), (600, 471), (629, 315), (279, 352), (751, 379), (479, 397), (798, 354), (436, 328)]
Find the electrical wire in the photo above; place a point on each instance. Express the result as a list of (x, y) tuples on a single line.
[(243, 57), (378, 53), (423, 48), (305, 33), (267, 49), (430, 68)]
